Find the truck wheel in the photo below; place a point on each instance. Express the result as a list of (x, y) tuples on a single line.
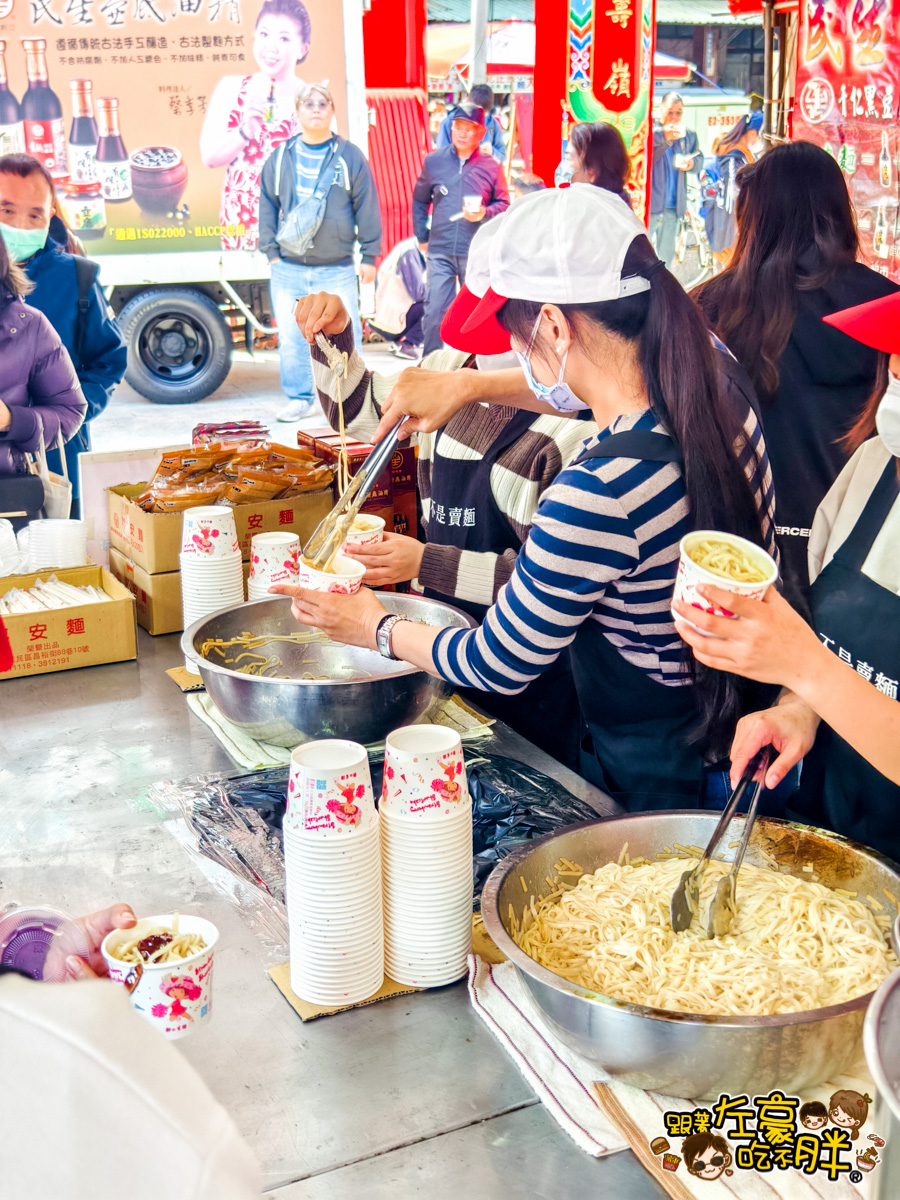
[(179, 345)]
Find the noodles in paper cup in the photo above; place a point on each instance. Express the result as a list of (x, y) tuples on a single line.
[(726, 561), (173, 993)]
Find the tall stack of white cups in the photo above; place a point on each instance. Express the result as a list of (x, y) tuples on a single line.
[(332, 868), (212, 575), (426, 841)]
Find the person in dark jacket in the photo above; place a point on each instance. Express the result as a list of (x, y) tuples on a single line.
[(676, 153), (447, 177), (493, 142), (795, 261), (352, 214), (40, 396), (78, 311)]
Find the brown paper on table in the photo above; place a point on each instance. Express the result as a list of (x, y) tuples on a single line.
[(484, 945), (186, 680), (281, 977)]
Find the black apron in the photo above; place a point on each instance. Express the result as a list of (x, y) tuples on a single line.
[(839, 790), (640, 746), (547, 712)]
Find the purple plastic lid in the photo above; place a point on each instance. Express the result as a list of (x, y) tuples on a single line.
[(27, 936)]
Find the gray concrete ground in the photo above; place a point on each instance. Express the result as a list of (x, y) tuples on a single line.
[(251, 391)]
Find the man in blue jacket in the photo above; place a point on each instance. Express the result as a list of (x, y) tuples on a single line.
[(676, 153), (65, 291), (493, 141), (447, 177)]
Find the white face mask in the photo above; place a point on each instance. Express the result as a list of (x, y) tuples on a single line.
[(887, 419), (558, 395)]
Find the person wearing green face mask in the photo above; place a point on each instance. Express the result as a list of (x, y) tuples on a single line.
[(64, 290)]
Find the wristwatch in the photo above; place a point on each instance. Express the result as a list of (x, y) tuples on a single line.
[(383, 634)]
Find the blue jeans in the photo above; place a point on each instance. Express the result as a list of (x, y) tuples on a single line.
[(290, 281), (717, 792), (663, 229)]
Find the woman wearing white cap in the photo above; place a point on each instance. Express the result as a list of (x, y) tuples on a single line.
[(480, 478), (598, 323)]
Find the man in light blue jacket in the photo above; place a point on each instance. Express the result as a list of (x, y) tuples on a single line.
[(676, 153)]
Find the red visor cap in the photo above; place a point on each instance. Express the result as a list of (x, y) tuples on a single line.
[(485, 336), (875, 323)]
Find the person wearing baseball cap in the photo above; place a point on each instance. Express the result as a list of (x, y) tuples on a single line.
[(464, 188), (480, 478), (841, 677), (600, 326)]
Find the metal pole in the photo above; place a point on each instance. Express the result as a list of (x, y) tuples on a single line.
[(767, 66), (478, 69)]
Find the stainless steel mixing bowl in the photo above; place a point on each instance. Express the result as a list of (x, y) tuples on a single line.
[(682, 1054), (287, 712)]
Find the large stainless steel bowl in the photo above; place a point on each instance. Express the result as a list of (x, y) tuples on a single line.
[(287, 712), (682, 1054)]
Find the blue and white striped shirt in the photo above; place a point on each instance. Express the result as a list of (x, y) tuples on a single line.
[(603, 547), (309, 164)]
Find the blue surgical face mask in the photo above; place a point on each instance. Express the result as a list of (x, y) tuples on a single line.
[(22, 243), (558, 395)]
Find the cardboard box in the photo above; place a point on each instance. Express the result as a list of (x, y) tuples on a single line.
[(81, 636), (157, 597), (153, 540), (326, 446)]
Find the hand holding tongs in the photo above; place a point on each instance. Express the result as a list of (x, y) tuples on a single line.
[(685, 900), (332, 530)]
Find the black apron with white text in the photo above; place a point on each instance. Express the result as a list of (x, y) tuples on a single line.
[(859, 620), (641, 746), (547, 712)]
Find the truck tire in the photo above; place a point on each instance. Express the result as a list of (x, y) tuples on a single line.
[(179, 345)]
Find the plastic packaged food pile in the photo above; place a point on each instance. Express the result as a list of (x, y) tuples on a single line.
[(229, 431), (232, 473), (49, 593)]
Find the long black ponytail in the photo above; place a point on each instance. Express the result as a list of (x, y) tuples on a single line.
[(684, 377)]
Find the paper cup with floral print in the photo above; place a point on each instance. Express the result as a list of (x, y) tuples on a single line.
[(424, 773), (175, 997), (344, 577), (691, 575), (365, 531), (329, 789), (209, 532), (274, 558)]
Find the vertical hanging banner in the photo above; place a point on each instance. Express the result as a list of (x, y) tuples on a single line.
[(848, 90), (610, 76)]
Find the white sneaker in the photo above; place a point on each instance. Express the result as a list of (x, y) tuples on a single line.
[(295, 411)]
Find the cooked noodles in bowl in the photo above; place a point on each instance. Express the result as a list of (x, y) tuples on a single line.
[(161, 944), (727, 560), (794, 945)]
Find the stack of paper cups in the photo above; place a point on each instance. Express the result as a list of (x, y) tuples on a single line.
[(426, 840), (332, 869), (273, 559), (212, 575)]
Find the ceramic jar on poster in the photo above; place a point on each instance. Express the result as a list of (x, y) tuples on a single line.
[(175, 997)]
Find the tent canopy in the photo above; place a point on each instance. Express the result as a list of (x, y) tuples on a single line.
[(510, 51)]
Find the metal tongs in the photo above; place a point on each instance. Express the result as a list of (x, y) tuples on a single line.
[(685, 902), (331, 531)]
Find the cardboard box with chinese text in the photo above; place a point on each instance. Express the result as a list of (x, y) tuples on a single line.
[(157, 597), (82, 635), (153, 540)]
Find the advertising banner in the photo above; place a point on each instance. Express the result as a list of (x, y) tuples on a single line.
[(610, 76), (848, 92), (155, 117)]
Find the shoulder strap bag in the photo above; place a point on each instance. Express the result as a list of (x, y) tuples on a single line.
[(301, 224), (57, 488)]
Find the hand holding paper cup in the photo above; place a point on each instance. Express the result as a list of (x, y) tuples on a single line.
[(365, 531), (344, 577), (723, 559), (165, 963)]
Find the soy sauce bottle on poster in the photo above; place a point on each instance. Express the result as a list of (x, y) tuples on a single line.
[(884, 161), (83, 136), (45, 135), (113, 167), (12, 130), (879, 241)]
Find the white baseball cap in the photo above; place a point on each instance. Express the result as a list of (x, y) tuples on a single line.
[(561, 246)]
